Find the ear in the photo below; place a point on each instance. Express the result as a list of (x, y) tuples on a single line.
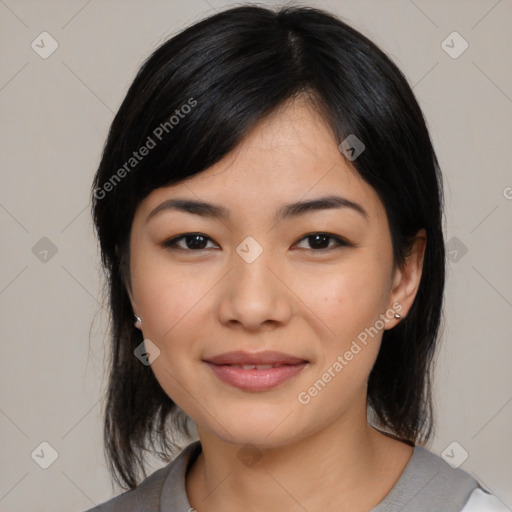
[(132, 300), (127, 283), (406, 280)]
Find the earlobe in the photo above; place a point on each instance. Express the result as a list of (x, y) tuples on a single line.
[(407, 278)]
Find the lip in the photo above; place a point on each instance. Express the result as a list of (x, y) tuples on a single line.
[(278, 368), (266, 357)]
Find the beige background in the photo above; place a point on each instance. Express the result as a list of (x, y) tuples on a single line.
[(55, 113)]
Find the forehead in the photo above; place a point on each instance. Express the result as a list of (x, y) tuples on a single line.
[(288, 156)]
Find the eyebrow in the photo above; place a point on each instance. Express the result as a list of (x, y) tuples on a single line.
[(217, 211)]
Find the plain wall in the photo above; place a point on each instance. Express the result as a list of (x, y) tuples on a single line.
[(55, 113)]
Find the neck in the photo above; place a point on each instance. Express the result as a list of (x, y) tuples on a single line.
[(348, 464)]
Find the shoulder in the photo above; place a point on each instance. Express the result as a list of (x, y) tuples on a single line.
[(429, 483), (482, 501), (453, 488), (147, 495), (445, 476)]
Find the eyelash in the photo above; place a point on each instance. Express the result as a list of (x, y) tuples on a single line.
[(172, 243)]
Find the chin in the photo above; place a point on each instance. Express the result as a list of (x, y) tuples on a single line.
[(258, 426), (258, 435)]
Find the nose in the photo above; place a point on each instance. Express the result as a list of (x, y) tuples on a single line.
[(254, 294)]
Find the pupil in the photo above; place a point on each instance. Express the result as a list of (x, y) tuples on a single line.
[(195, 244), (316, 238)]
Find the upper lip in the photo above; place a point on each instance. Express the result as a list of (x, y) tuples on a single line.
[(267, 357)]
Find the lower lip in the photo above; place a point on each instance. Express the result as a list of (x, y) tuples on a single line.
[(255, 380)]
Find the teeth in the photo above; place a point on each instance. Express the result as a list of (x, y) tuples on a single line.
[(255, 366)]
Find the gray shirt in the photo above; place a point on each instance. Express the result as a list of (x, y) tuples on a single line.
[(427, 483)]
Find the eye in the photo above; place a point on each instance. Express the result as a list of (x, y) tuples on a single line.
[(193, 242), (199, 241), (320, 241)]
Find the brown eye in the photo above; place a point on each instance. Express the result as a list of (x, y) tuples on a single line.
[(320, 241), (192, 242), (198, 241)]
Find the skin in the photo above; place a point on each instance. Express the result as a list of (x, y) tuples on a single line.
[(294, 298)]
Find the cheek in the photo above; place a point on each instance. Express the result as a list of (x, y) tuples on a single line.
[(164, 290), (170, 305), (349, 303), (348, 295), (348, 300)]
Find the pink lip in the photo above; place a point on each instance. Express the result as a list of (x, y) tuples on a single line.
[(284, 368), (267, 357)]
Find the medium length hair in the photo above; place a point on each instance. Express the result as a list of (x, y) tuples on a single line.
[(232, 69)]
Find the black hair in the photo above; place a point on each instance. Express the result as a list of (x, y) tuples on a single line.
[(193, 100)]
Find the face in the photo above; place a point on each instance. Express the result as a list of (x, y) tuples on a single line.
[(268, 319)]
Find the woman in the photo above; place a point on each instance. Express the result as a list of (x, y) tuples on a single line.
[(269, 210)]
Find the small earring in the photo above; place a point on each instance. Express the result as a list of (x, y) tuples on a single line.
[(397, 316), (138, 321)]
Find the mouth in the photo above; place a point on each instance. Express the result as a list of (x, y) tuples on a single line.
[(257, 371), (254, 366)]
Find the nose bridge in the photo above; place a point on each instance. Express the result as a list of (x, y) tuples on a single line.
[(251, 276), (253, 294), (251, 265)]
